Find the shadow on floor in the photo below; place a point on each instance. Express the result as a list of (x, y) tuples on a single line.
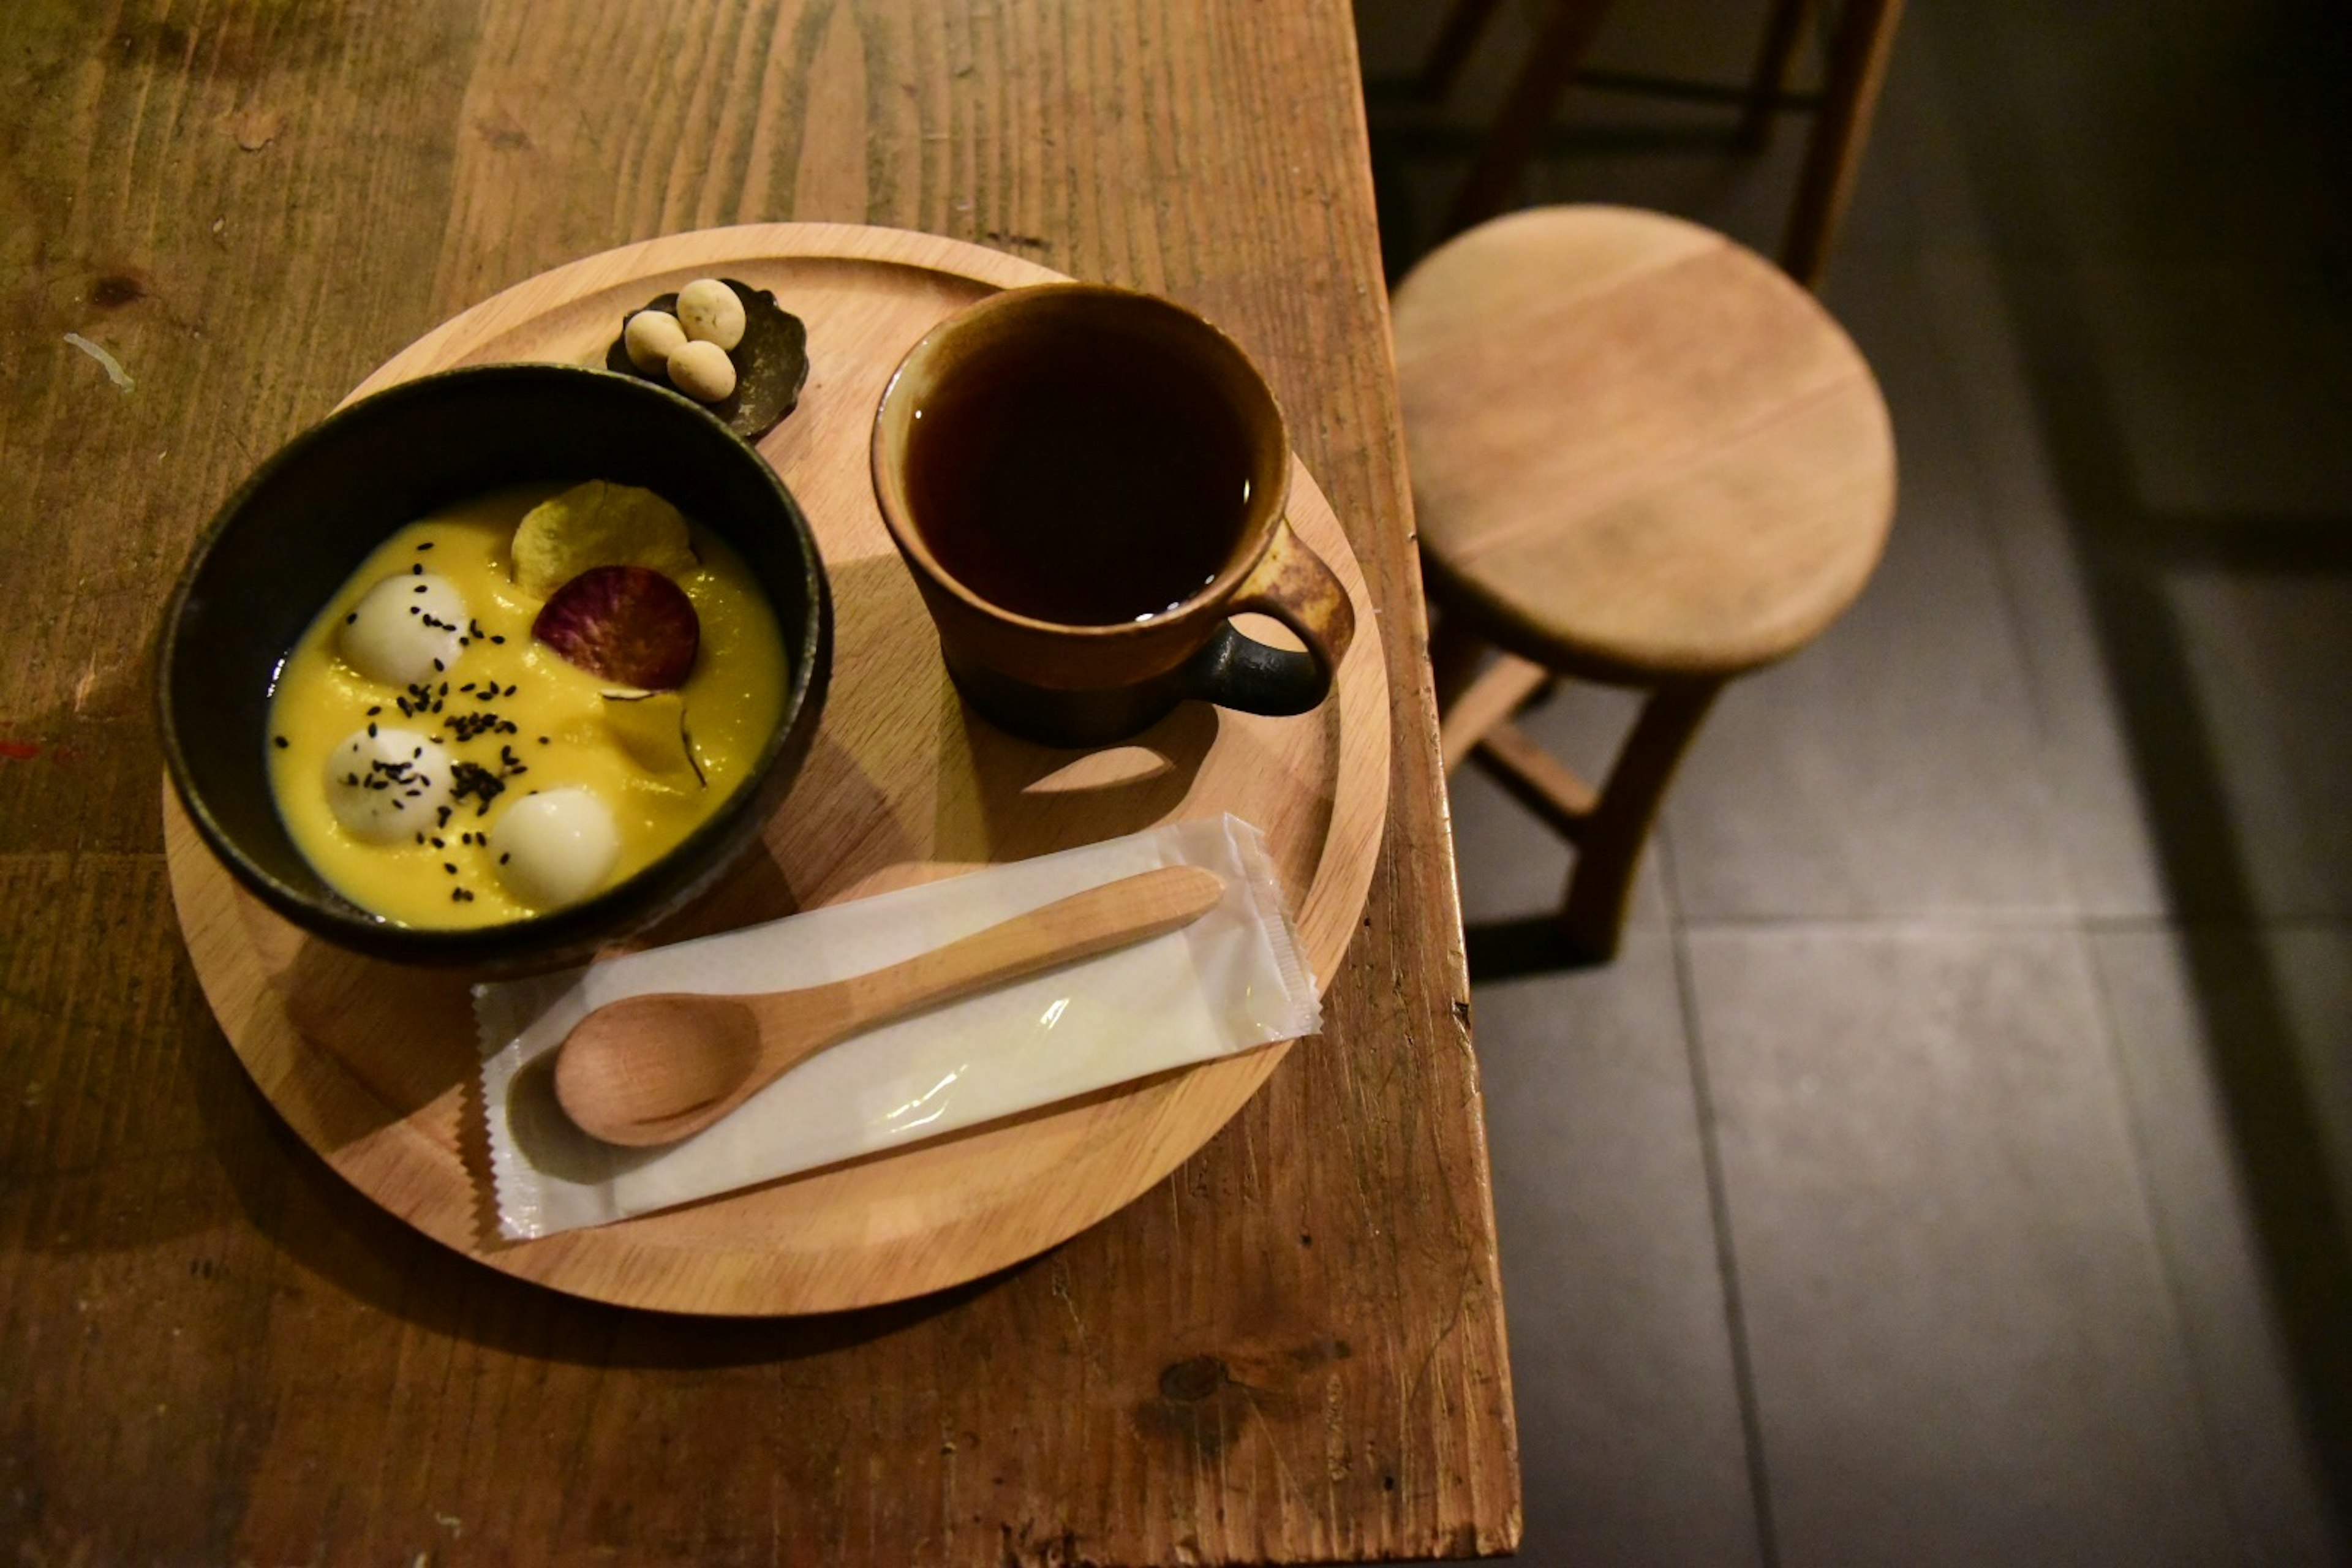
[(1509, 950), (2125, 549)]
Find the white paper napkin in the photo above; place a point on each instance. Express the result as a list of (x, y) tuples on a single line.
[(1234, 979)]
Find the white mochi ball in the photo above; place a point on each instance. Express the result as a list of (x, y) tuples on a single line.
[(556, 849), (384, 784), (402, 625)]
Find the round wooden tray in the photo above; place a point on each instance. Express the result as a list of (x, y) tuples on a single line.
[(376, 1066)]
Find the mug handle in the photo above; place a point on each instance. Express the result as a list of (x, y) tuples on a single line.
[(1291, 584)]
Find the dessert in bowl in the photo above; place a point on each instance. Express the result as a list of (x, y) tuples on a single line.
[(496, 667)]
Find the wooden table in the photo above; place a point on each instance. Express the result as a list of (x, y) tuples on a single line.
[(212, 1349)]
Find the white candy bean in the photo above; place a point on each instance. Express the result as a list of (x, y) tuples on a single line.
[(702, 371), (710, 313), (651, 337)]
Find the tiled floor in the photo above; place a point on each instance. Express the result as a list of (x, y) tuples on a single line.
[(1956, 1165)]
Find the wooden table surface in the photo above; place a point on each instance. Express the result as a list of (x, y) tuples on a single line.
[(212, 1349)]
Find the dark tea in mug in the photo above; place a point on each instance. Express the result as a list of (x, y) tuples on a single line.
[(1087, 486), (1083, 477)]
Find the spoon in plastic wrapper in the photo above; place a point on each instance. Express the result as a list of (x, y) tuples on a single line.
[(652, 1069)]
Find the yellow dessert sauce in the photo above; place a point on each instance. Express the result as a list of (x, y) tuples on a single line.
[(734, 697)]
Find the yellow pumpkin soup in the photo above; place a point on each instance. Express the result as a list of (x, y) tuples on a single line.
[(454, 743)]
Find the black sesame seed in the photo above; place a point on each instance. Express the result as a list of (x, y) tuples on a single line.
[(438, 665), (421, 586), (371, 729), (281, 740), (374, 711), (543, 739), (505, 856), (398, 806), (445, 866), (438, 845), (511, 691), (456, 895), (349, 618), (426, 545), (497, 640), (413, 609), (420, 838)]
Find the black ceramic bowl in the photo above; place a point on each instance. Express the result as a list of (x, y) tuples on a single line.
[(283, 544)]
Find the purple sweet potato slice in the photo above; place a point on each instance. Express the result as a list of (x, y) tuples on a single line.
[(628, 625)]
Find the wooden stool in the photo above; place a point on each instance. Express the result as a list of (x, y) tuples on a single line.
[(1858, 52), (1641, 456)]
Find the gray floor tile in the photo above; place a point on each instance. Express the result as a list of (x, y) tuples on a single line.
[(2153, 327), (1629, 1422), (2230, 381), (2188, 667), (1893, 768), (2172, 131), (2097, 812), (2230, 1041), (1962, 1345), (2269, 661)]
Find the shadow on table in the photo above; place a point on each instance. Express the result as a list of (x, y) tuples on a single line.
[(330, 1230)]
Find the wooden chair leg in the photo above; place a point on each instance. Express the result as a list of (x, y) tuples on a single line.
[(1550, 65), (1783, 30), (1615, 831), (1857, 70), (1456, 36), (1486, 704)]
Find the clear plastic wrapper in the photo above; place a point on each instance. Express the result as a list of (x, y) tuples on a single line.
[(1233, 979)]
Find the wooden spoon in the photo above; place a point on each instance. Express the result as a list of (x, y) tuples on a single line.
[(655, 1068)]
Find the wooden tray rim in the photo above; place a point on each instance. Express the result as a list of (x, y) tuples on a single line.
[(405, 1170)]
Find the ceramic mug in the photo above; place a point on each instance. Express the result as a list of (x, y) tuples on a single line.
[(1088, 484)]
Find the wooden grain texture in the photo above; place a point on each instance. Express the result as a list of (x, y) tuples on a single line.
[(211, 1348), (1638, 451), (898, 781)]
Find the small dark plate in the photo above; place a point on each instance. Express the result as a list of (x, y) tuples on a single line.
[(772, 363), (283, 545)]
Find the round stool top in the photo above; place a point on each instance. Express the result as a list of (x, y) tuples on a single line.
[(1639, 450)]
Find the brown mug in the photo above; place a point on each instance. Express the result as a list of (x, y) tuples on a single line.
[(1088, 484)]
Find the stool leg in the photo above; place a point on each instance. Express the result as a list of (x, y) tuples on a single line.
[(1857, 70), (1782, 31), (1464, 20), (1611, 849), (1551, 64)]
